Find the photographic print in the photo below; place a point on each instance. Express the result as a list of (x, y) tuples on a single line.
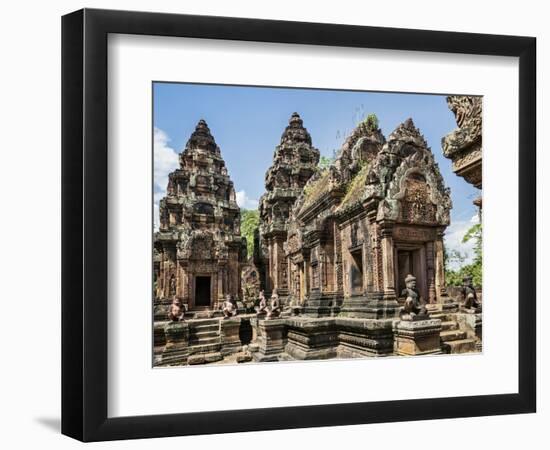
[(297, 224)]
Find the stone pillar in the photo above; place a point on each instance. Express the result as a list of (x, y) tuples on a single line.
[(321, 268), (271, 339), (279, 268), (269, 271), (338, 264), (229, 332), (164, 274), (160, 278), (306, 278), (441, 290), (430, 269), (417, 337), (388, 268), (221, 281), (176, 351)]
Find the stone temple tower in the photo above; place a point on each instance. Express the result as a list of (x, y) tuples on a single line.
[(294, 162), (199, 246)]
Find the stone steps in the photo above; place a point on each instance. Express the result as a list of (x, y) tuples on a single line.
[(459, 346), (204, 341), (442, 317), (205, 328), (204, 334), (205, 322), (449, 325), (452, 335), (205, 348)]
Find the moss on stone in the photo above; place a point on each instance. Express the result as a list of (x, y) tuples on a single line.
[(315, 189), (355, 187)]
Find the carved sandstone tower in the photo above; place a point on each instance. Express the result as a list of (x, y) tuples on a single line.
[(199, 245), (294, 162)]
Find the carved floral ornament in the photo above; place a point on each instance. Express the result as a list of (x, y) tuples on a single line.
[(389, 208), (201, 244)]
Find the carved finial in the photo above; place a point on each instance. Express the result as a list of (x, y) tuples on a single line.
[(407, 132), (295, 131), (296, 121), (201, 137)]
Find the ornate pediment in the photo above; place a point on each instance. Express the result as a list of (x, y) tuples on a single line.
[(464, 144)]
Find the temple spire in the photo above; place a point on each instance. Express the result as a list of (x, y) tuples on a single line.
[(295, 131), (201, 138)]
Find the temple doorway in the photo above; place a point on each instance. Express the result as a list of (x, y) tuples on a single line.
[(412, 261), (356, 272), (202, 291)]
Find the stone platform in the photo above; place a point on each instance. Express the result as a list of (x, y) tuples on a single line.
[(306, 338), (247, 338), (417, 337)]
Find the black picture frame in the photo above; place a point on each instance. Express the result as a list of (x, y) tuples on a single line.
[(84, 224)]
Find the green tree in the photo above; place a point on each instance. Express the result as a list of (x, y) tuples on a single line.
[(250, 220), (475, 269), (325, 162)]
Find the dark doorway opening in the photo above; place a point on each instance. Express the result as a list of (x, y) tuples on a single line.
[(356, 272), (202, 291), (245, 332), (410, 262)]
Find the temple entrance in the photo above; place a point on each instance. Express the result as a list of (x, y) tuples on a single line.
[(356, 272), (202, 291), (412, 262)]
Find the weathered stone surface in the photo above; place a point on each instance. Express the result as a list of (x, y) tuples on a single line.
[(158, 334), (271, 339), (230, 339), (204, 335), (212, 357), (473, 325), (176, 350), (417, 337), (364, 337), (311, 338), (244, 356), (463, 145), (196, 359)]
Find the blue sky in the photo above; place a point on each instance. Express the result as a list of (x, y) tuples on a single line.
[(247, 123)]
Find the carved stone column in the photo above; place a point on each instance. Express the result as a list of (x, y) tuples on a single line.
[(430, 269), (388, 268), (441, 290)]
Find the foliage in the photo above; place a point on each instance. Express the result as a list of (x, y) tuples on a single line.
[(325, 162), (250, 220), (475, 269), (371, 122)]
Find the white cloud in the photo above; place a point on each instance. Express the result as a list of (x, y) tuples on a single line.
[(165, 161), (244, 201), (453, 241)]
